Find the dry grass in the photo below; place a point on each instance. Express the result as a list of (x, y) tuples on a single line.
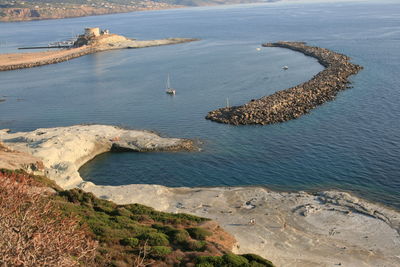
[(34, 233)]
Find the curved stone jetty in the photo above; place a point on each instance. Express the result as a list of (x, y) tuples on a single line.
[(298, 100)]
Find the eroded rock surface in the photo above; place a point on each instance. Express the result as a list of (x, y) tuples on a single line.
[(64, 150)]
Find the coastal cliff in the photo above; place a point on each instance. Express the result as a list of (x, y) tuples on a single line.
[(296, 101)]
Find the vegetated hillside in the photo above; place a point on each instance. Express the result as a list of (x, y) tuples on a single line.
[(17, 10), (73, 228)]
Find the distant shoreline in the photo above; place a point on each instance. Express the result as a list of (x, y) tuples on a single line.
[(33, 14)]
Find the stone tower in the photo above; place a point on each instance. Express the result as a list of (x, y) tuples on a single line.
[(92, 32)]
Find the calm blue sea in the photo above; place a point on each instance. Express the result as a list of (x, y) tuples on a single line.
[(352, 143)]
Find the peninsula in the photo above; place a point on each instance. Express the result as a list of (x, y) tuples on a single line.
[(92, 41), (294, 102), (328, 228)]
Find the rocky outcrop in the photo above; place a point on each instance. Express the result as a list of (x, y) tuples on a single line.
[(64, 150), (294, 102), (16, 160)]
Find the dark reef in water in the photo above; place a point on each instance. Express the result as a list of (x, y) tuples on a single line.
[(298, 100)]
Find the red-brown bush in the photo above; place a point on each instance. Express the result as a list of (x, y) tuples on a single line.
[(33, 232)]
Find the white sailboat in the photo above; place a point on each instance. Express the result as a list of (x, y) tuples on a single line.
[(169, 90)]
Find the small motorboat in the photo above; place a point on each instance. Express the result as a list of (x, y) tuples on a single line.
[(285, 67), (258, 48)]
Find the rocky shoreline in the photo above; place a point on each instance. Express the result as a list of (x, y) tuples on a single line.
[(328, 228), (63, 150), (296, 101)]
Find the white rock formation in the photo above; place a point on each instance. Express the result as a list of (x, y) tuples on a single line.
[(64, 150)]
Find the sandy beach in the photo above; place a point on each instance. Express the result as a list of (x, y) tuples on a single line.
[(328, 228)]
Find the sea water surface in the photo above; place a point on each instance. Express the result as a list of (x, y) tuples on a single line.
[(352, 143)]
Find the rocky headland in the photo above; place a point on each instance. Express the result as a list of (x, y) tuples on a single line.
[(64, 150), (328, 228), (82, 47), (296, 101)]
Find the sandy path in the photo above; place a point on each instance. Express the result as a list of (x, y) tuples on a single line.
[(26, 58), (103, 43)]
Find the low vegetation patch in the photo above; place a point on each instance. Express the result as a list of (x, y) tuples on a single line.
[(232, 260), (123, 235)]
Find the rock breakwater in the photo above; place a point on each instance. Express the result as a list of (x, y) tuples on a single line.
[(296, 101)]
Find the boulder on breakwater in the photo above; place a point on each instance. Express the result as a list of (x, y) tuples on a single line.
[(298, 100)]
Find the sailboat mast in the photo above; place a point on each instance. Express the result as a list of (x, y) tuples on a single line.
[(168, 83)]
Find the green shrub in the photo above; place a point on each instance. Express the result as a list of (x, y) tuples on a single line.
[(160, 251), (78, 196), (258, 259), (129, 241), (179, 236), (256, 264), (121, 211), (198, 233), (171, 218), (206, 264), (195, 245), (155, 239), (212, 260), (235, 260), (166, 229), (103, 208)]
